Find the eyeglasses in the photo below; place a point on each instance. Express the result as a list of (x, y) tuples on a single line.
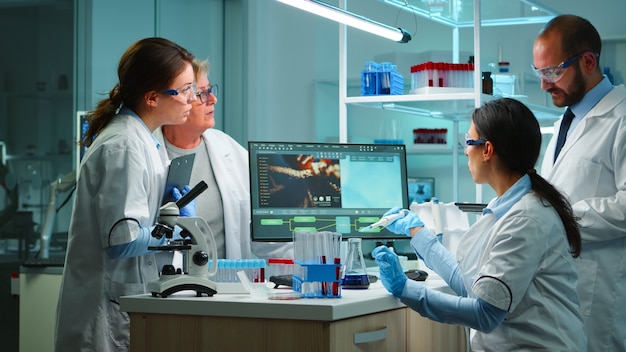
[(186, 91), (554, 73), (205, 94), (469, 141)]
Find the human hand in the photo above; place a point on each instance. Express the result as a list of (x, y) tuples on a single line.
[(189, 209), (403, 224), (391, 273)]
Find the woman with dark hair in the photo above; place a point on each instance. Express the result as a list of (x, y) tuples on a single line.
[(120, 187), (514, 271)]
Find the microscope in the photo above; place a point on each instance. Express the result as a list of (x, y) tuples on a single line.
[(195, 230)]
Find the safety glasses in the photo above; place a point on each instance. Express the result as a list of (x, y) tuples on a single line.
[(469, 141), (205, 94), (553, 74), (186, 91)]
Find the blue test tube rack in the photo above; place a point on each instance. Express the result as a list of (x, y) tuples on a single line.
[(381, 79), (317, 280)]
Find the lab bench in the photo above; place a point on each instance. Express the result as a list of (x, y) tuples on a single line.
[(39, 287), (361, 320)]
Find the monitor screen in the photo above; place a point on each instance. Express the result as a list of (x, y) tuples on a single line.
[(334, 187)]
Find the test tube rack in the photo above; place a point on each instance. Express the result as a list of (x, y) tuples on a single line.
[(317, 280), (381, 79)]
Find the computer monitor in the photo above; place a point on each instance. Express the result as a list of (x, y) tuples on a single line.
[(334, 187)]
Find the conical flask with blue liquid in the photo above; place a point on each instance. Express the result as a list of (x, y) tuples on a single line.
[(355, 274)]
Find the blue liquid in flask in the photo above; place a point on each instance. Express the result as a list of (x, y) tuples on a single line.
[(355, 275), (355, 281)]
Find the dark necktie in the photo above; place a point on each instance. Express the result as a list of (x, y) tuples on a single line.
[(565, 123)]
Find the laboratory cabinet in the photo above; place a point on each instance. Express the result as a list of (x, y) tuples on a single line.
[(397, 330), (361, 320), (245, 334)]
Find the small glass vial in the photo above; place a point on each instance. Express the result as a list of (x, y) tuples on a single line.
[(355, 274)]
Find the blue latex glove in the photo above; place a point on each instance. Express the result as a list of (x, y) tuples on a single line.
[(189, 209), (391, 273), (404, 224)]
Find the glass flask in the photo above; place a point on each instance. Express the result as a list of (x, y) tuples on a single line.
[(355, 275)]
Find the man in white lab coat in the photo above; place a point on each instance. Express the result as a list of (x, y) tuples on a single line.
[(590, 169), (223, 164)]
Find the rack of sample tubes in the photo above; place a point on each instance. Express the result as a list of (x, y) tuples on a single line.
[(317, 269), (430, 75), (227, 270), (381, 79), (227, 280)]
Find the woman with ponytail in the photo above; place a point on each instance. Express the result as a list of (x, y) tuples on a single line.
[(119, 190), (513, 272)]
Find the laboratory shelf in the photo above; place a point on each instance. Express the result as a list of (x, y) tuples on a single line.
[(448, 106), (428, 149), (452, 107), (409, 98)]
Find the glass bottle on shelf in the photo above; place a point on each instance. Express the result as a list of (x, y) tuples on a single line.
[(487, 83)]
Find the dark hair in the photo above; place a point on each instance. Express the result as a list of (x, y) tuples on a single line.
[(149, 64), (577, 34), (514, 132)]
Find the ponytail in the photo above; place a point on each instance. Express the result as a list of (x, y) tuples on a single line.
[(547, 192)]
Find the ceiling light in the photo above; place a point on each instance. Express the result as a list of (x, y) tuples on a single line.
[(350, 19)]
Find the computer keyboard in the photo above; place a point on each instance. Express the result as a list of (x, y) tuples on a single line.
[(39, 262)]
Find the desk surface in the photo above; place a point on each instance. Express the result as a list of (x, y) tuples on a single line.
[(352, 303)]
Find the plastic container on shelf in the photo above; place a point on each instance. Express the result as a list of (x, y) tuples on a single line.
[(390, 82), (227, 270), (384, 78), (503, 66), (504, 84), (442, 77), (369, 79)]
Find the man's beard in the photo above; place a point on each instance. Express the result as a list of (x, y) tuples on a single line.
[(576, 90)]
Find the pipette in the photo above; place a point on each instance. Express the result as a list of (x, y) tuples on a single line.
[(385, 220)]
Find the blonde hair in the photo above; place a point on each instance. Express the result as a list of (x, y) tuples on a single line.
[(200, 66)]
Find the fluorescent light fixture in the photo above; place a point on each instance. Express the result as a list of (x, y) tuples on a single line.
[(350, 19)]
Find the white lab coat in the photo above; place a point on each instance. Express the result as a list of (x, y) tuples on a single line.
[(591, 171), (521, 263), (121, 176), (229, 162)]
